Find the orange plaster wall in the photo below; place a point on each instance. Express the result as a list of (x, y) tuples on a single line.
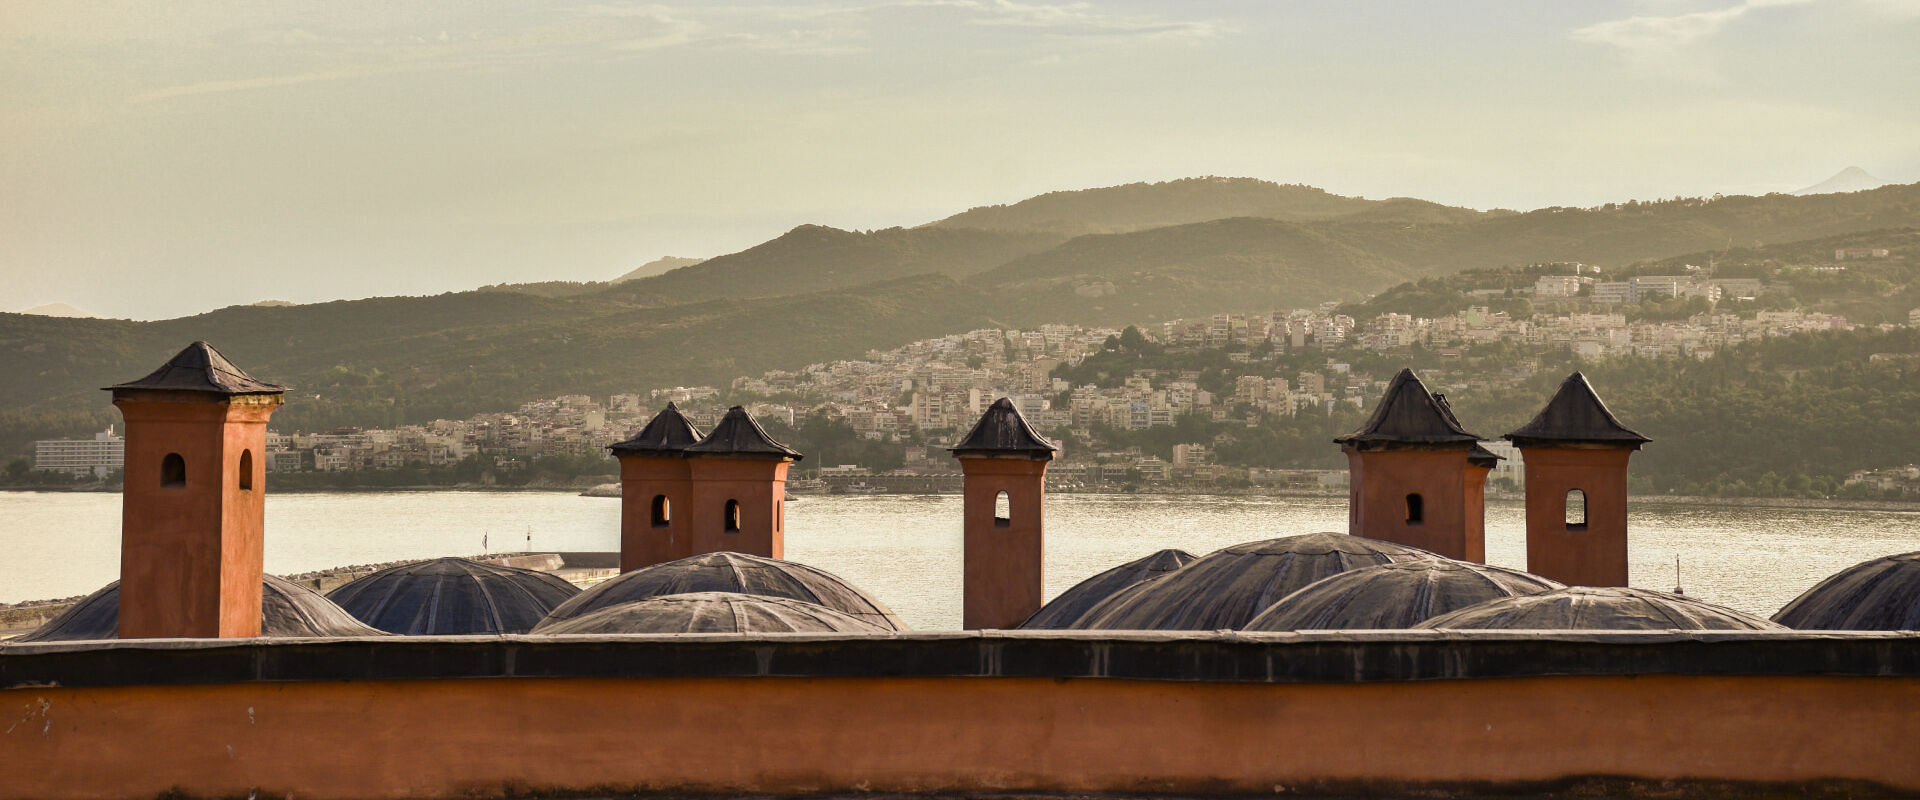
[(1002, 575), (1381, 481), (1596, 556), (642, 479), (1475, 540), (191, 556), (761, 488), (456, 738)]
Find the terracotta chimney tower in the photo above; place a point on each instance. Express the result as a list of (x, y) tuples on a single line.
[(1575, 455), (656, 491), (1411, 466), (192, 530), (1002, 458), (739, 481)]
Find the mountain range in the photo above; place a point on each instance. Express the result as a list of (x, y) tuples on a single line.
[(1119, 255)]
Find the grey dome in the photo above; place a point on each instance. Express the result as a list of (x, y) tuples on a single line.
[(286, 609), (1393, 596), (1228, 588), (1074, 603), (712, 612), (453, 596), (1600, 608), (731, 572), (1878, 595)]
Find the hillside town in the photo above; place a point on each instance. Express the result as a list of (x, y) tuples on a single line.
[(913, 399)]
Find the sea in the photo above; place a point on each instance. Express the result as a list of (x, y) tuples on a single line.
[(905, 549)]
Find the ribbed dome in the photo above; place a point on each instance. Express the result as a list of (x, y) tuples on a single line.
[(1229, 587), (286, 609), (712, 612), (1394, 596), (453, 596), (731, 572), (1599, 608), (1878, 595), (1074, 603)]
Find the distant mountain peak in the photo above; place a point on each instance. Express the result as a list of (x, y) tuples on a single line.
[(656, 267), (60, 310), (1851, 179)]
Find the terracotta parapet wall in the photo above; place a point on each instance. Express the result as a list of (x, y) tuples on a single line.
[(1199, 714)]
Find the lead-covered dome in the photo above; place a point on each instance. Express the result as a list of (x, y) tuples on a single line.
[(1074, 603), (712, 612), (1229, 587), (1394, 596), (453, 596), (287, 609), (1600, 608), (1878, 595), (738, 573)]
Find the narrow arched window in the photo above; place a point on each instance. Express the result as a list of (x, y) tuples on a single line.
[(662, 511), (1416, 510), (1576, 510), (1002, 511), (246, 470), (733, 516), (779, 514), (173, 472)]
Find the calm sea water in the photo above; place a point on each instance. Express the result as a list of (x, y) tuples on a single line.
[(905, 550)]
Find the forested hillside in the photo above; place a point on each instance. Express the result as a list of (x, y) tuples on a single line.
[(817, 293)]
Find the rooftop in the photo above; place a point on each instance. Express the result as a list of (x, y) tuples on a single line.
[(668, 432), (453, 596), (200, 368), (714, 612), (739, 435), (1002, 431), (1410, 418), (1576, 416), (728, 572)]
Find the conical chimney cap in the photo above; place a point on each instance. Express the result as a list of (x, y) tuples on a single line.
[(199, 368)]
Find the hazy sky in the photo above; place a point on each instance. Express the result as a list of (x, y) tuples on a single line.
[(161, 159)]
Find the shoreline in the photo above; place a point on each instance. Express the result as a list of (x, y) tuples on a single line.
[(587, 489)]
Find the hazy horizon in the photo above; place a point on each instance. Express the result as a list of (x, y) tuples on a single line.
[(159, 163)]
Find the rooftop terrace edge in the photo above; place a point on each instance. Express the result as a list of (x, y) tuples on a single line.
[(1217, 657)]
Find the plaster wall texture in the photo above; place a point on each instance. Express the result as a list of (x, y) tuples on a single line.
[(760, 735), (1597, 555), (191, 555), (642, 479), (1381, 482), (759, 485), (1001, 576)]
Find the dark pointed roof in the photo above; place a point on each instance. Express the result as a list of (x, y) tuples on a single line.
[(1395, 596), (667, 434), (1074, 603), (727, 572), (1482, 457), (1002, 431), (715, 612), (453, 596), (1410, 418), (287, 609), (200, 368), (739, 436), (1576, 415), (1609, 608), (1881, 594)]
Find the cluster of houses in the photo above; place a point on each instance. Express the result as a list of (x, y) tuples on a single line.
[(932, 387)]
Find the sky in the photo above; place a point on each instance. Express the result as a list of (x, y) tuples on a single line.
[(165, 159)]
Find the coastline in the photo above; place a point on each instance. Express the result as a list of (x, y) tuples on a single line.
[(600, 489)]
